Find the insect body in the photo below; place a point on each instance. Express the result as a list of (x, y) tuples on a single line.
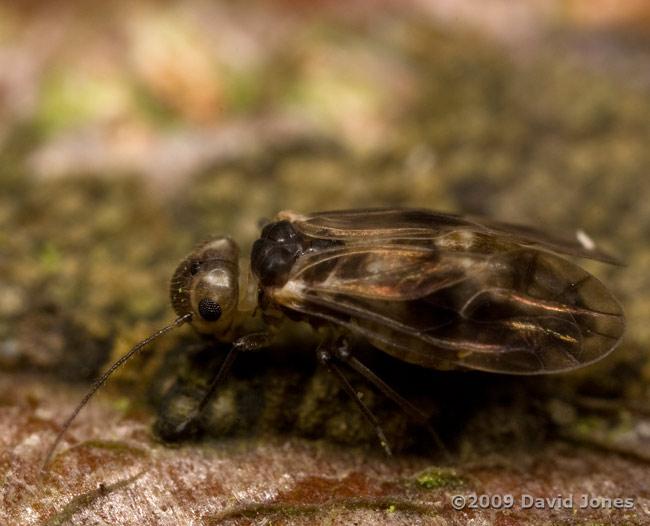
[(432, 289)]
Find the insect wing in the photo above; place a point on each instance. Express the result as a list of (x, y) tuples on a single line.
[(399, 223), (452, 298)]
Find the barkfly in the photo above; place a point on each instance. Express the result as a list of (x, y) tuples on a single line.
[(432, 289)]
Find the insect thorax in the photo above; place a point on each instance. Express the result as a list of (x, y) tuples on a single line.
[(275, 253)]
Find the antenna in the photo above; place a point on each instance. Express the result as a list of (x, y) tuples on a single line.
[(98, 383)]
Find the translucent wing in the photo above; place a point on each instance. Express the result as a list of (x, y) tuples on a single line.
[(454, 293), (403, 224)]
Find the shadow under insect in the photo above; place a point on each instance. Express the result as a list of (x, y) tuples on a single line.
[(280, 392), (284, 392)]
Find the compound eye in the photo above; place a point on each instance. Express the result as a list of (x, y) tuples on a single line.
[(209, 309)]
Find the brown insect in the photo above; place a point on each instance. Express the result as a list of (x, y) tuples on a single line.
[(432, 289)]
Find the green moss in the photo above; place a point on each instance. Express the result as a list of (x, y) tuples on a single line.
[(49, 258), (72, 97), (588, 424), (243, 91), (439, 478)]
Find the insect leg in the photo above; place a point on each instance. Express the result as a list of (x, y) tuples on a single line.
[(342, 353), (325, 357), (250, 342)]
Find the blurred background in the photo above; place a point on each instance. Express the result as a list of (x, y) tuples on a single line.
[(130, 131)]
